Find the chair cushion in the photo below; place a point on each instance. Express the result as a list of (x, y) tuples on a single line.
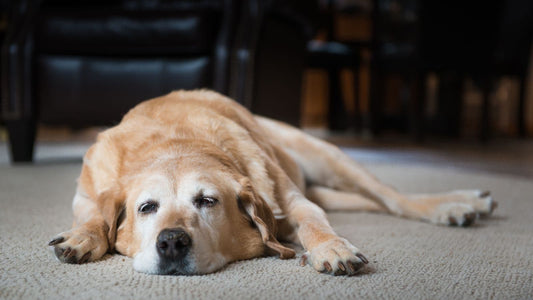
[(82, 91)]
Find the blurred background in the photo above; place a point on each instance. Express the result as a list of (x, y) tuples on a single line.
[(392, 80)]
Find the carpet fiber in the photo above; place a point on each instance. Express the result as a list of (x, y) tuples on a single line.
[(408, 259)]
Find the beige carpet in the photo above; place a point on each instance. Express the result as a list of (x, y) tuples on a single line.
[(493, 259)]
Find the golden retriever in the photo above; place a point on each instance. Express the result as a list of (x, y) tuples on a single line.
[(191, 181)]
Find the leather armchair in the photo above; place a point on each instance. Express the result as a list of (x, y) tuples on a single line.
[(87, 62)]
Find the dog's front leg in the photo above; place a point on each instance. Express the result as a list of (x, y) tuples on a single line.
[(326, 251)]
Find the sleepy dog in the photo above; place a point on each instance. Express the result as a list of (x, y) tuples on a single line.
[(191, 181)]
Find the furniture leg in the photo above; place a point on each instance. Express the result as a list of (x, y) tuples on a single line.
[(21, 139)]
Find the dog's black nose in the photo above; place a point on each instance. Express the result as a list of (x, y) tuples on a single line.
[(173, 243)]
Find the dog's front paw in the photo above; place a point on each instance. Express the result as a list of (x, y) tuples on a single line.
[(335, 257), (79, 246)]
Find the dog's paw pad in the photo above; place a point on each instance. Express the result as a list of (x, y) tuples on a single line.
[(335, 257)]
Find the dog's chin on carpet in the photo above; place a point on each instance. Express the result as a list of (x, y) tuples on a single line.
[(176, 267)]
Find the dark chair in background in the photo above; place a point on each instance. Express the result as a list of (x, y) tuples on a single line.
[(454, 40), (270, 56), (482, 41), (513, 50), (333, 56), (394, 48), (85, 63), (457, 40)]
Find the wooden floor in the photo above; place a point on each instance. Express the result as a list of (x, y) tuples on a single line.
[(508, 156)]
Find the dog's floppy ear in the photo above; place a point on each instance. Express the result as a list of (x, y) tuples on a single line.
[(262, 217)]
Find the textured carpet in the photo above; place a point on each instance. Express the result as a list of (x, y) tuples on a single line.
[(408, 259)]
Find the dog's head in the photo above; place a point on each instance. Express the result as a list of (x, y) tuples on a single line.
[(191, 215)]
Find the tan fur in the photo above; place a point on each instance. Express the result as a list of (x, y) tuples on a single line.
[(263, 173)]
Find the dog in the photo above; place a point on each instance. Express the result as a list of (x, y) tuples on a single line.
[(191, 181)]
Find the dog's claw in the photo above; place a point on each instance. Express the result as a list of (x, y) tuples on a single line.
[(355, 266), (341, 266), (351, 267), (469, 219), (71, 254), (67, 255), (66, 252), (484, 194), (303, 260), (85, 258), (56, 241), (452, 220), (328, 267), (362, 257)]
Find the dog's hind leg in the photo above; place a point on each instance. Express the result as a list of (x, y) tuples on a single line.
[(324, 164), (334, 200)]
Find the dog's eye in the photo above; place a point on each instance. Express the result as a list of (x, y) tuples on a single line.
[(205, 202), (148, 207)]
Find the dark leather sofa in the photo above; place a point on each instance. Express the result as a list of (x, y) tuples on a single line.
[(85, 63)]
